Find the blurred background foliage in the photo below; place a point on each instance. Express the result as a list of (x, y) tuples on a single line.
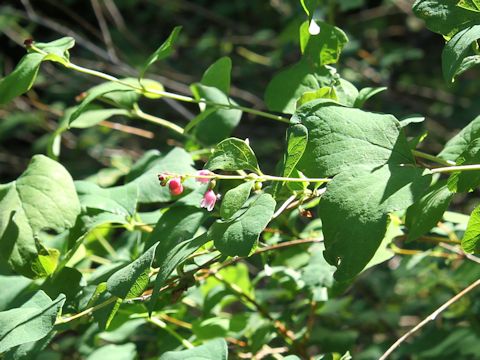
[(388, 46)]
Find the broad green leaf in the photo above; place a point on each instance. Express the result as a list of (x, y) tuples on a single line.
[(466, 181), (121, 200), (67, 281), (444, 16), (457, 145), (323, 48), (473, 5), (30, 322), (174, 234), (234, 199), (212, 350), (471, 238), (367, 93), (456, 50), (30, 350), (176, 161), (233, 154), (219, 124), (325, 92), (218, 75), (210, 328), (162, 52), (318, 274), (374, 174), (23, 76), (91, 118), (131, 280), (16, 285), (42, 198), (238, 235), (425, 213), (114, 352), (290, 84)]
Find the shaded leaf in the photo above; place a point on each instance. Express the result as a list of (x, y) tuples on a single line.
[(471, 238), (234, 199), (211, 350)]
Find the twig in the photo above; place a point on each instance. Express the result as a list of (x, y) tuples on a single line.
[(429, 318), (107, 38), (460, 252), (128, 129)]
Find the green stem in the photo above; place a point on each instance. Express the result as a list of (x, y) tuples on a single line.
[(255, 177), (88, 311), (433, 158), (166, 94), (450, 169), (172, 332), (137, 112)]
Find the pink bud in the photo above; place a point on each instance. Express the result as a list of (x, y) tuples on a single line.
[(175, 186), (203, 173), (208, 201)]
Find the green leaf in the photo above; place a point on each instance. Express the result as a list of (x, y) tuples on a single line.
[(290, 84), (367, 93), (218, 74), (121, 200), (30, 322), (444, 16), (456, 50), (473, 5), (466, 181), (457, 145), (310, 6), (66, 281), (233, 154), (323, 48), (238, 235), (131, 280), (211, 328), (362, 150), (425, 213), (42, 198), (235, 198), (16, 285), (471, 238), (115, 352), (212, 350), (25, 73), (162, 52), (175, 233), (297, 138), (325, 92)]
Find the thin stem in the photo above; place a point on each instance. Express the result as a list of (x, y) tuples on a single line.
[(450, 169), (88, 311), (164, 326), (166, 94), (137, 112), (433, 158), (429, 318), (260, 178), (460, 252)]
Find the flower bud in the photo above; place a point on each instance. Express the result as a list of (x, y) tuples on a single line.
[(209, 200), (175, 186), (203, 173)]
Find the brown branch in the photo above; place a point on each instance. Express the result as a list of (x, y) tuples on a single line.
[(429, 318), (461, 252)]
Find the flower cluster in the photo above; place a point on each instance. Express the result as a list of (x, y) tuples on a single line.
[(175, 185)]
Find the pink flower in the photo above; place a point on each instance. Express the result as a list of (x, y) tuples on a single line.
[(203, 173), (175, 186), (208, 201)]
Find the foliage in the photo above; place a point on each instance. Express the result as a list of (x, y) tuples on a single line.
[(206, 245)]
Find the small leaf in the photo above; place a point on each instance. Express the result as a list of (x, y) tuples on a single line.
[(325, 92), (466, 181), (297, 137), (456, 50), (425, 213), (471, 238), (234, 199), (367, 93), (162, 52), (238, 236), (30, 322), (233, 154), (457, 145), (473, 5), (218, 74), (325, 47), (131, 280), (43, 197), (212, 350), (25, 73)]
